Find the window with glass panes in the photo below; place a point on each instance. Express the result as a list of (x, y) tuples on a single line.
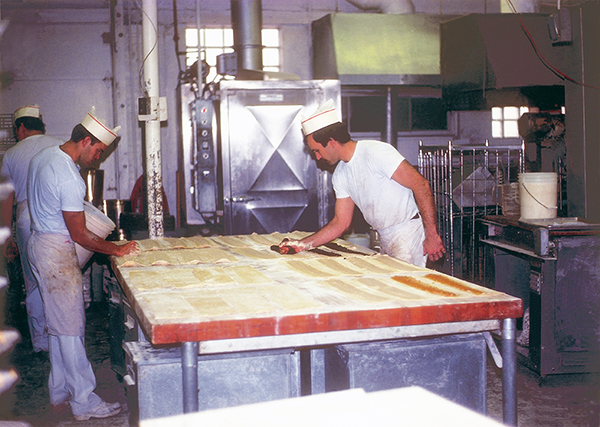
[(505, 121), (216, 41)]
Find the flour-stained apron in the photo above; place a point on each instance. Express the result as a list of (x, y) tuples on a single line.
[(55, 264)]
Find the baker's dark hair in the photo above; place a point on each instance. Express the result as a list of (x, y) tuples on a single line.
[(79, 132), (30, 123), (338, 131)]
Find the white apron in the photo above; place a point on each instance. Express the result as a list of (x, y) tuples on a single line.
[(405, 241), (55, 264)]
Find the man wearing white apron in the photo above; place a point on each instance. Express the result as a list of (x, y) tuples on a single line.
[(393, 196), (30, 131), (55, 192)]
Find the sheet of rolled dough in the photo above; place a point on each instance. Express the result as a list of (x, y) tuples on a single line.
[(165, 305), (144, 280), (253, 253), (354, 290), (208, 255), (340, 265), (394, 264), (212, 276), (247, 300), (288, 297), (309, 269), (148, 258), (391, 290), (246, 275), (230, 241), (208, 303)]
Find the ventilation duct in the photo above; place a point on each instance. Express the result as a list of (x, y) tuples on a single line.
[(377, 49), (382, 6), (484, 57), (246, 20)]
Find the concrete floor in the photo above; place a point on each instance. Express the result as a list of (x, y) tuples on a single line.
[(560, 400)]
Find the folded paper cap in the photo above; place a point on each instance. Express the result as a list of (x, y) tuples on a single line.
[(323, 117), (96, 127), (27, 111)]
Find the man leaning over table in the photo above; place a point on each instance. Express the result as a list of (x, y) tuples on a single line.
[(395, 199)]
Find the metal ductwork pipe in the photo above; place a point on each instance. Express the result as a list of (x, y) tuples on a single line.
[(246, 20), (391, 127), (385, 6), (526, 6)]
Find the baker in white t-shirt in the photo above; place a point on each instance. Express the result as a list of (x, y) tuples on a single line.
[(392, 195), (55, 193)]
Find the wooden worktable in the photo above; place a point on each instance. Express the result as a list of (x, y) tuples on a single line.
[(233, 288)]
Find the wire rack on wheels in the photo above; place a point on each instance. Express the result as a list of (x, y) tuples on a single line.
[(463, 179), (7, 138)]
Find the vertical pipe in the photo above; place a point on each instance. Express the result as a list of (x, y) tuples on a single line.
[(449, 171), (391, 129), (189, 372), (246, 19), (152, 126), (199, 30), (509, 372)]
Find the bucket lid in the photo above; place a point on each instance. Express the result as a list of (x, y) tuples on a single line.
[(538, 176), (96, 215)]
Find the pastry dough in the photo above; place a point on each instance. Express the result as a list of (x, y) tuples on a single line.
[(230, 241), (255, 253), (246, 275), (414, 282), (307, 269), (366, 266), (208, 303), (453, 283), (394, 263), (340, 266), (166, 305), (246, 300), (394, 292), (288, 297), (355, 290), (208, 255), (144, 280), (212, 276), (204, 256)]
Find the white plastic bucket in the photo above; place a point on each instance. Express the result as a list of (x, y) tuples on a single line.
[(538, 193), (97, 223)]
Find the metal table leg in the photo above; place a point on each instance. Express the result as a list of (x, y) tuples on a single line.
[(189, 370), (509, 372)]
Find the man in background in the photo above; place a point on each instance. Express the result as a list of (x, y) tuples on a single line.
[(29, 130)]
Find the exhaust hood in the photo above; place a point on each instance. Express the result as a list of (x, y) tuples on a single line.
[(489, 59), (377, 49)]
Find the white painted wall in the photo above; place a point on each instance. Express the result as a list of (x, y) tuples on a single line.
[(60, 58)]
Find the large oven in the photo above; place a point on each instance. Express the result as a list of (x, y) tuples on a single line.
[(246, 166), (554, 266)]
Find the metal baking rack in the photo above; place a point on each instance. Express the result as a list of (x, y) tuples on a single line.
[(463, 180)]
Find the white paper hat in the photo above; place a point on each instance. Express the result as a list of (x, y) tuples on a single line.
[(27, 111), (323, 117), (96, 127)]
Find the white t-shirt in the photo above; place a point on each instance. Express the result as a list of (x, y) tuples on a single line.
[(15, 163), (55, 185), (367, 180)]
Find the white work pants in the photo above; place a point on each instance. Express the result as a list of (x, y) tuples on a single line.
[(56, 267), (71, 376), (33, 297)]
